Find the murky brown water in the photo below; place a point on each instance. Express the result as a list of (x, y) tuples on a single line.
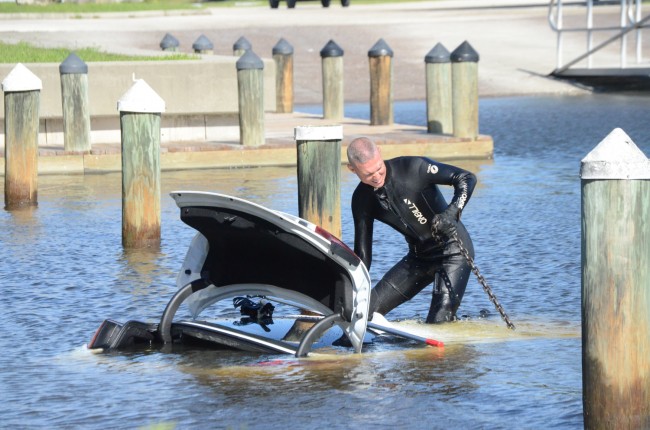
[(63, 271)]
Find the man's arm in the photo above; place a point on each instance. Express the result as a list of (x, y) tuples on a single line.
[(463, 182), (363, 228)]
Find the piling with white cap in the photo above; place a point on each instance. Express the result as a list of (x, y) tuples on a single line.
[(22, 104), (615, 182), (75, 104), (319, 175), (319, 185), (140, 116)]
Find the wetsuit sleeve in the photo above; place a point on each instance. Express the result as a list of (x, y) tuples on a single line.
[(464, 183), (363, 226), (462, 180)]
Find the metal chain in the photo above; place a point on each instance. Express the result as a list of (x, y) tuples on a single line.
[(484, 283)]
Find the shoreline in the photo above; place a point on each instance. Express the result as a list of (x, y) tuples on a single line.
[(512, 37)]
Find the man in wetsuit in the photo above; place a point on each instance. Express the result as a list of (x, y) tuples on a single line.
[(403, 193)]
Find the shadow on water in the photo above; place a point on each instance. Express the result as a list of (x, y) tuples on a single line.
[(64, 270)]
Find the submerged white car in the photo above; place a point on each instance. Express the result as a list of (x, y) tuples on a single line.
[(248, 253)]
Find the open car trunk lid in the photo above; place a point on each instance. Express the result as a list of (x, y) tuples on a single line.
[(244, 248)]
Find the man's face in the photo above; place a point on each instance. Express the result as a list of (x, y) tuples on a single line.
[(372, 172)]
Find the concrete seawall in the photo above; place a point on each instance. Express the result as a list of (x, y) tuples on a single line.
[(200, 97)]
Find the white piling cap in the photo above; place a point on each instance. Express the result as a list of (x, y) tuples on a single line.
[(615, 157), (141, 98), (21, 79), (318, 132)]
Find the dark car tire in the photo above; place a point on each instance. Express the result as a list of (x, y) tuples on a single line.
[(345, 3), (325, 3), (274, 3), (291, 4)]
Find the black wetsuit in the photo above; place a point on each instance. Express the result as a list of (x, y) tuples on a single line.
[(407, 202)]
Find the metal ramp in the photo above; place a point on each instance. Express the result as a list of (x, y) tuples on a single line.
[(612, 32)]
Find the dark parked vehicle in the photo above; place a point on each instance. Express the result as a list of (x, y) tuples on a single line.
[(292, 3)]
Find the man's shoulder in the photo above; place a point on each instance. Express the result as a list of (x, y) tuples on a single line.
[(361, 200), (361, 190), (408, 160)]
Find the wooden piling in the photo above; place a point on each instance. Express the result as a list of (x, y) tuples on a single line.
[(250, 81), (464, 71), (615, 181), (283, 57), (203, 45), (22, 103), (332, 67), (76, 107), (380, 58), (319, 175), (240, 47), (140, 115), (438, 85), (169, 43), (319, 188)]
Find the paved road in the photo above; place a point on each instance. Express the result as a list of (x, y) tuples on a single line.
[(513, 38)]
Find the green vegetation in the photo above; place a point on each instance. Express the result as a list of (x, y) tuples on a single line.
[(125, 6), (90, 8), (25, 53), (147, 5)]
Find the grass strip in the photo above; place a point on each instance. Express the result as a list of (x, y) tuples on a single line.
[(23, 52), (79, 8), (126, 6), (150, 5)]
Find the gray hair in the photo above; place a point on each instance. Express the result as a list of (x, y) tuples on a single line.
[(361, 150)]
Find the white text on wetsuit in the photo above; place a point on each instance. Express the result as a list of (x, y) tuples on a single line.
[(463, 197), (415, 211)]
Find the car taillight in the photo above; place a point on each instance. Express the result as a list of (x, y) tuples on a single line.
[(338, 247)]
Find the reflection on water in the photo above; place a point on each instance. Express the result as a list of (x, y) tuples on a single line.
[(64, 270)]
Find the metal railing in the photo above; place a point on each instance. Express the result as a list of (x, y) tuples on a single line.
[(630, 20)]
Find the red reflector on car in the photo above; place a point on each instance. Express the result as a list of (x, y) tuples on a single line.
[(337, 246)]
